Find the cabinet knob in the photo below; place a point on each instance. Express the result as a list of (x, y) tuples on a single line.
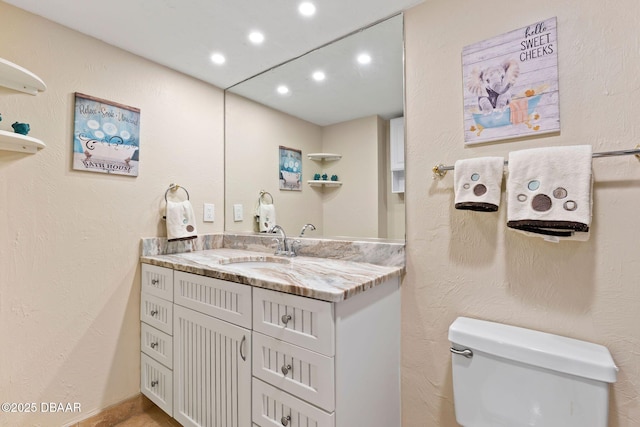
[(154, 344), (154, 383), (155, 281), (285, 319), (153, 312), (285, 369), (285, 420)]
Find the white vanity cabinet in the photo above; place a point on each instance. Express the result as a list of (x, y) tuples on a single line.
[(211, 352), (223, 354), (323, 364), (156, 336)]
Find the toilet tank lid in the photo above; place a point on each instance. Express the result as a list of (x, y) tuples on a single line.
[(535, 348)]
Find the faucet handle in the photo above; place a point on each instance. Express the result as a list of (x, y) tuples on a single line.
[(277, 243)]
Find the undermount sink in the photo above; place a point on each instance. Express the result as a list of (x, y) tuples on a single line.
[(253, 262)]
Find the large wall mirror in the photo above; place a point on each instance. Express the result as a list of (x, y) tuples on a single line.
[(345, 98)]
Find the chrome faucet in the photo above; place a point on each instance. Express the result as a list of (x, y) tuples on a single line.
[(283, 245), (304, 228)]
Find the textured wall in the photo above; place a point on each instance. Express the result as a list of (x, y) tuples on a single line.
[(463, 263), (70, 240)]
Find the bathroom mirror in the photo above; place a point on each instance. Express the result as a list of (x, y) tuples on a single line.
[(337, 101)]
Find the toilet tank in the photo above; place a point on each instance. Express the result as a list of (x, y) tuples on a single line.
[(514, 377)]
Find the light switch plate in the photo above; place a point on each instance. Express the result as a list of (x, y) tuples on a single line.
[(209, 212), (237, 213)]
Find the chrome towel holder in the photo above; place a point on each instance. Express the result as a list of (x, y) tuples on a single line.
[(439, 171), (264, 193), (174, 187)]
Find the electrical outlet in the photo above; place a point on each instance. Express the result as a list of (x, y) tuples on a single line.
[(209, 212), (237, 213)]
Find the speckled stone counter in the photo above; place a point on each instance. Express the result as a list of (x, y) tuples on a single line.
[(328, 279)]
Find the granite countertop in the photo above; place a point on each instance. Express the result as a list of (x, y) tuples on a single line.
[(320, 278)]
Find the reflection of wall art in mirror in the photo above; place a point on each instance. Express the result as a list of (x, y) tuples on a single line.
[(106, 136), (290, 169), (511, 84)]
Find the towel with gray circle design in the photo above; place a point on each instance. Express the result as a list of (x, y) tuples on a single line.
[(478, 183), (549, 192)]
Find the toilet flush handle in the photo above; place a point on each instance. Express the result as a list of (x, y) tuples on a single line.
[(465, 352)]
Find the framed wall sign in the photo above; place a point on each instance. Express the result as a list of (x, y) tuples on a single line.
[(511, 84), (106, 136), (290, 165)]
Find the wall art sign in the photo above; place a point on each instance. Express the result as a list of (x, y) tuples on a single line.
[(106, 136), (511, 84), (290, 169)]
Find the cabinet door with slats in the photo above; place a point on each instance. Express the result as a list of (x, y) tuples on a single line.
[(212, 371)]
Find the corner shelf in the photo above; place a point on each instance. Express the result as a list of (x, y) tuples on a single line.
[(16, 142), (17, 78), (324, 156), (20, 79), (322, 182)]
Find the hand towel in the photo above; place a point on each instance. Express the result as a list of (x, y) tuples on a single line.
[(181, 222), (549, 192), (266, 216), (478, 183)]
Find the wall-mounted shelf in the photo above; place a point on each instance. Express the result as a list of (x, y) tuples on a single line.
[(17, 78), (322, 182), (324, 156), (16, 142)]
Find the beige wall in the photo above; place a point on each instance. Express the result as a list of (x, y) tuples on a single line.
[(69, 240), (253, 134), (463, 263), (352, 209)]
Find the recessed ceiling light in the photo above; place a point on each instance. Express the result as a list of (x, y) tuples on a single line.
[(256, 37), (307, 8), (282, 90), (364, 58), (318, 76), (218, 58)]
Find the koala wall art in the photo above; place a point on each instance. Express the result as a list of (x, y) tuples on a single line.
[(511, 84)]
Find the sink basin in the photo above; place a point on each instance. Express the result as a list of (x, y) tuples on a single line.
[(257, 262)]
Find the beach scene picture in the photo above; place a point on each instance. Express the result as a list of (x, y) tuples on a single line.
[(511, 84), (106, 136)]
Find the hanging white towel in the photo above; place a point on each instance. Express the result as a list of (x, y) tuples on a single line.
[(549, 192), (478, 183), (181, 221), (266, 216)]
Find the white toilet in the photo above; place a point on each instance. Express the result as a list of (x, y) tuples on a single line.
[(505, 376)]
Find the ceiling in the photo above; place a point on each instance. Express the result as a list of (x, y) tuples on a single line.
[(183, 34)]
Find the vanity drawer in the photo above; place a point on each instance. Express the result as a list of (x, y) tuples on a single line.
[(301, 321), (157, 344), (156, 382), (272, 407), (157, 281), (301, 372), (157, 312), (225, 300)]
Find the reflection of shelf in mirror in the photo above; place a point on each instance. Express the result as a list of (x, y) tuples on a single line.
[(16, 142), (321, 182), (324, 156), (17, 78)]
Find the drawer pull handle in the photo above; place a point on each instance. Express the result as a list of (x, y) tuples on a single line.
[(155, 281), (154, 383), (154, 344), (285, 318), (242, 344), (153, 313), (285, 420), (285, 369)]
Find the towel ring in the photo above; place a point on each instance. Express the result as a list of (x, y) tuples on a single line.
[(265, 193), (174, 187)]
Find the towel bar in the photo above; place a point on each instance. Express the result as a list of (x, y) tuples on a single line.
[(439, 171)]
